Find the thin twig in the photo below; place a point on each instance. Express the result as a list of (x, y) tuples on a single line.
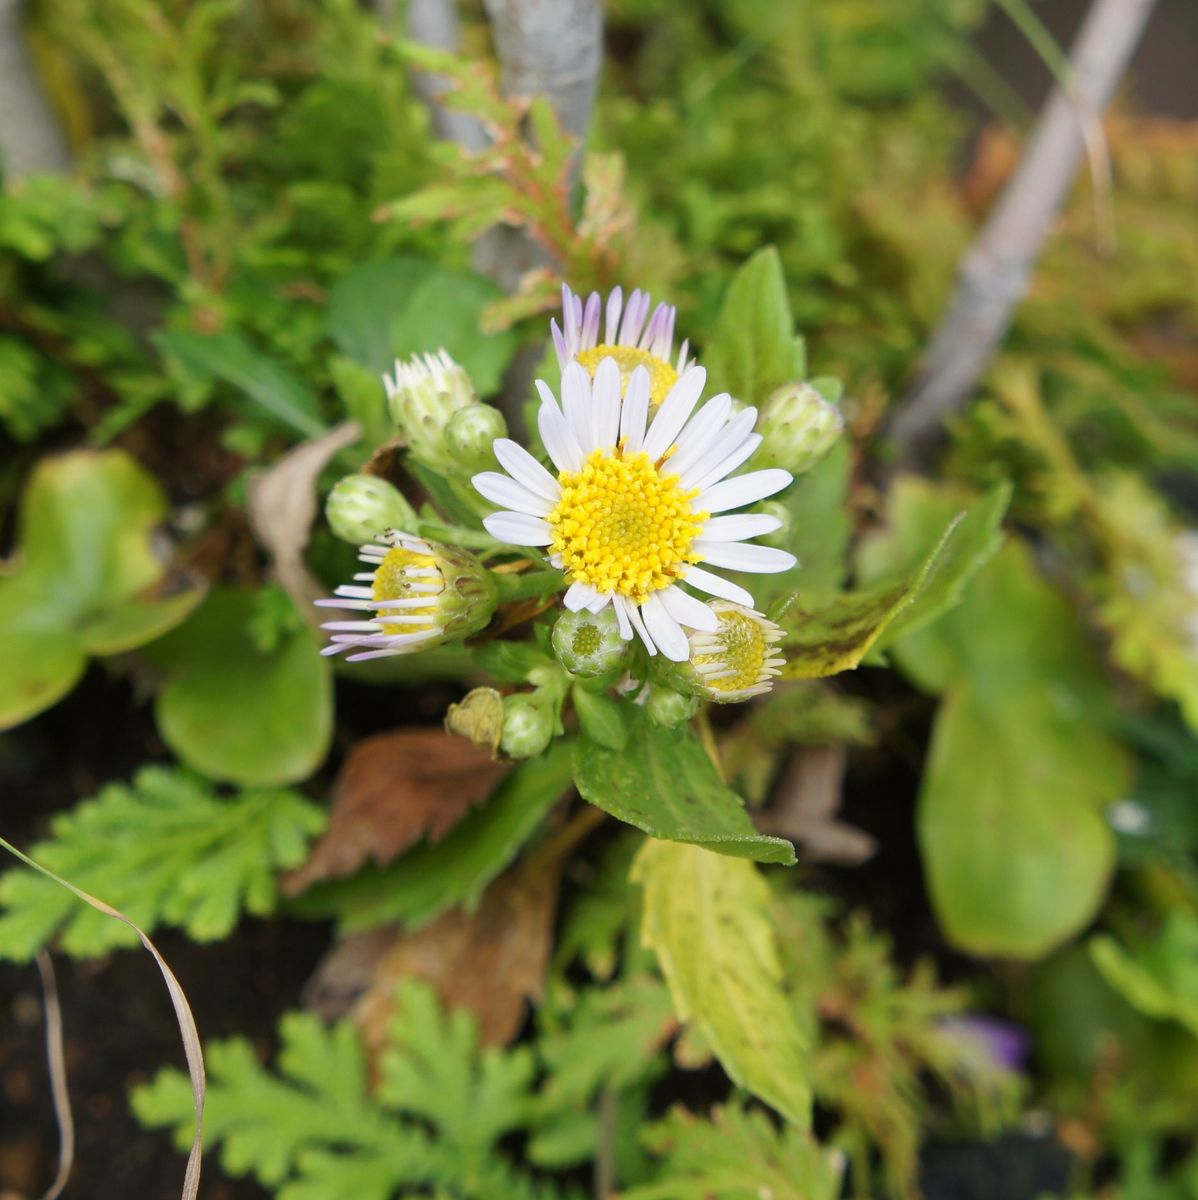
[(59, 1091), (996, 271)]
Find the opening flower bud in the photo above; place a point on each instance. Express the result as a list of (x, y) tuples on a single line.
[(798, 426), (736, 661), (589, 644), (422, 395), (361, 508)]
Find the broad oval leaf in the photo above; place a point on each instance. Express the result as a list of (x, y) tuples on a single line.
[(707, 917)]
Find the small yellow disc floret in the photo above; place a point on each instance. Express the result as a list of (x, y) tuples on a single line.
[(622, 526), (393, 580), (662, 376)]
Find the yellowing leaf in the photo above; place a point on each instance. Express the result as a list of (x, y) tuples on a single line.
[(707, 918)]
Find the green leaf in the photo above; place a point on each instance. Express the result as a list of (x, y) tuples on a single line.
[(230, 357), (429, 880), (236, 710), (664, 783), (165, 850), (1022, 750), (396, 307), (707, 917), (315, 1129), (754, 349), (738, 1155), (83, 580), (1160, 979), (601, 719), (838, 635)]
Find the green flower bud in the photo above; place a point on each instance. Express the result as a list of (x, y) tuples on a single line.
[(361, 508), (669, 708), (529, 723), (799, 427), (470, 437), (589, 644), (422, 395)]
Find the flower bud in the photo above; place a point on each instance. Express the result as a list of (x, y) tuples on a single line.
[(669, 708), (361, 508), (735, 662), (589, 644), (798, 427), (422, 396), (529, 723), (416, 595), (470, 437)]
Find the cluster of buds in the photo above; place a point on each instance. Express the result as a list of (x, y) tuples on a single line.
[(799, 424)]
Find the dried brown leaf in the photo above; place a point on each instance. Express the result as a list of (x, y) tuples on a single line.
[(395, 789)]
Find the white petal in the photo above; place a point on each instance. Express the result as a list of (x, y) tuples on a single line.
[(633, 613), (742, 556), (560, 443), (615, 302), (744, 489), (739, 527), (665, 630), (601, 601), (576, 404), (717, 585), (686, 610), (605, 405), (702, 432), (730, 462), (525, 469), (590, 322), (507, 493), (726, 442), (518, 529), (635, 411), (634, 316), (619, 603), (578, 595), (675, 409), (569, 317), (559, 344)]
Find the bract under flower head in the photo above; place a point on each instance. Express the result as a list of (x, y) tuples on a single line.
[(737, 659), (629, 515), (631, 337), (418, 594)]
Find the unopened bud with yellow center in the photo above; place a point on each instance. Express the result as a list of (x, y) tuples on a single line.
[(422, 395), (361, 508), (470, 437), (798, 427), (736, 661), (589, 644), (417, 594)]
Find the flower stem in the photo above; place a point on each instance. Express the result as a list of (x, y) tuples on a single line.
[(524, 587)]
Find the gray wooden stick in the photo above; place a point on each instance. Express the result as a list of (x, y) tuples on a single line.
[(30, 138), (995, 272)]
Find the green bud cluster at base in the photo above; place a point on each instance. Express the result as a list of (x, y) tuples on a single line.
[(361, 508), (589, 644)]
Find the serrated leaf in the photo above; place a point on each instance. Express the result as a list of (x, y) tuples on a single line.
[(707, 917), (238, 711), (664, 783), (429, 880), (83, 580), (228, 356), (165, 850), (754, 349)]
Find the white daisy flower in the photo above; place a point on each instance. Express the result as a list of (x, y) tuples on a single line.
[(632, 511), (630, 335), (418, 594), (738, 659)]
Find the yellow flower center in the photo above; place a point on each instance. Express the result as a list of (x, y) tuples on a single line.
[(662, 376), (622, 526), (743, 653), (393, 580)]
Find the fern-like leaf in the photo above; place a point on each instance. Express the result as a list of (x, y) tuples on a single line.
[(165, 850)]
